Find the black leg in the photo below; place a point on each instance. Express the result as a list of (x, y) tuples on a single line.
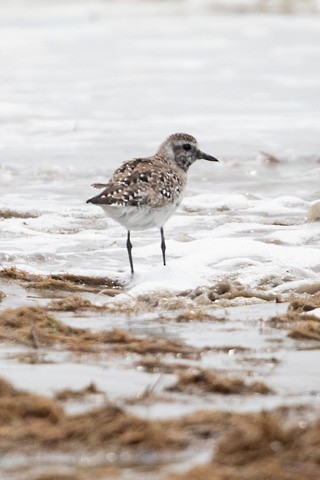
[(129, 248), (163, 246)]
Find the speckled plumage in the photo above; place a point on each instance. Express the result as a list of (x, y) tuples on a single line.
[(144, 192), (151, 181)]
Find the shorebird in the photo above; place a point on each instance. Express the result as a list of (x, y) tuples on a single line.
[(144, 192)]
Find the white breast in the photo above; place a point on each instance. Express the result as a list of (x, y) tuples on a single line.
[(140, 218)]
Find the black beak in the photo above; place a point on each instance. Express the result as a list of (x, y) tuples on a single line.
[(205, 156)]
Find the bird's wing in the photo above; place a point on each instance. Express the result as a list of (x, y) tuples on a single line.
[(142, 182)]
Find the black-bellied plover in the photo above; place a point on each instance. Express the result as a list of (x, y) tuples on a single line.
[(144, 192)]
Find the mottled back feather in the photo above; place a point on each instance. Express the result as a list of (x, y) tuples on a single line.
[(153, 181)]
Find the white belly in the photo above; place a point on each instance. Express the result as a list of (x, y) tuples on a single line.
[(140, 218)]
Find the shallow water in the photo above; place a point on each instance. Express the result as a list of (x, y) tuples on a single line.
[(99, 85), (85, 86)]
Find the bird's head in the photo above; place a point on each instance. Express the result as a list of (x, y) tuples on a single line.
[(183, 149)]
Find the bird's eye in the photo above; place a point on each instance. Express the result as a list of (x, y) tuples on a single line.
[(187, 146)]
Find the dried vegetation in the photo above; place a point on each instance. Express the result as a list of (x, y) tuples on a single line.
[(68, 394), (249, 447), (209, 381), (193, 315), (307, 330), (66, 473), (31, 422), (153, 364), (74, 303), (192, 303), (36, 327), (64, 281), (261, 447), (305, 303), (7, 213), (299, 320)]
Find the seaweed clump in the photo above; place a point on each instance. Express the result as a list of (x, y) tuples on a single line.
[(7, 213), (43, 423), (306, 303), (69, 394), (73, 303), (64, 281), (308, 330), (208, 381), (301, 325), (260, 447), (36, 327)]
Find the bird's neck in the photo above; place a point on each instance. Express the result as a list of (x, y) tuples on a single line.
[(165, 151), (182, 162)]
